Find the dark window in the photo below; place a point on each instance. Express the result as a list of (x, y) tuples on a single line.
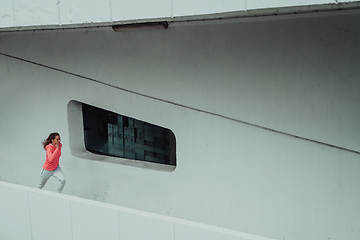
[(112, 134)]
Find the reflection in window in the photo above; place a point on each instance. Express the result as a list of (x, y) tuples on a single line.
[(112, 134)]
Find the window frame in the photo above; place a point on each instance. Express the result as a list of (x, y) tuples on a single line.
[(78, 149)]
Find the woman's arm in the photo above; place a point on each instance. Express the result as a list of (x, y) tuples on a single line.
[(52, 154)]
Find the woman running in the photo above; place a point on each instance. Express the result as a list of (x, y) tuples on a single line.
[(51, 166)]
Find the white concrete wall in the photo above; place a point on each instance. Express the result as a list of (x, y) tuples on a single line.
[(296, 76), (28, 213), (62, 13)]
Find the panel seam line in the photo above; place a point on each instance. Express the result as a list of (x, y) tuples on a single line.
[(182, 105)]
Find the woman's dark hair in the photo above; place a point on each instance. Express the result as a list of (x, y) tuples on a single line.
[(52, 136)]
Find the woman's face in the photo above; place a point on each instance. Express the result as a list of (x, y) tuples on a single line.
[(56, 140)]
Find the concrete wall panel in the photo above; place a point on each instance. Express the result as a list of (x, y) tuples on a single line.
[(125, 10), (93, 222), (188, 7), (183, 232), (136, 226), (14, 214), (42, 12), (75, 12), (260, 4), (7, 14), (50, 216), (21, 14), (59, 216)]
